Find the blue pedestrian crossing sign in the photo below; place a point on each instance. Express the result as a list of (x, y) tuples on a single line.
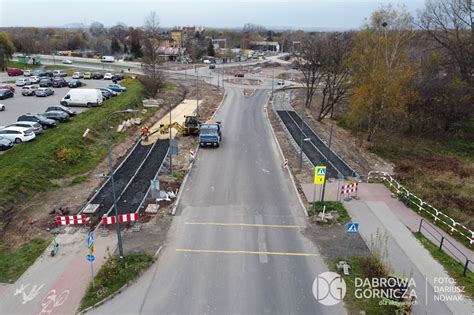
[(90, 240), (352, 228), (90, 258), (319, 175)]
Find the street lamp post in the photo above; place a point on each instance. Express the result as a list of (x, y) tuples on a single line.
[(111, 170), (197, 94), (327, 164)]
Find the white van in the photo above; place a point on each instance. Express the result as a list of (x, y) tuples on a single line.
[(82, 97), (107, 59)]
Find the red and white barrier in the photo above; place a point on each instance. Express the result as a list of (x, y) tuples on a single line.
[(285, 163), (348, 189), (192, 154), (71, 219), (437, 215), (130, 217)]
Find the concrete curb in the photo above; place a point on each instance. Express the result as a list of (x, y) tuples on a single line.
[(178, 198), (126, 285), (283, 158)]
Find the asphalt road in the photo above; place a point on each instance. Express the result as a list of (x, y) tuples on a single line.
[(19, 104), (235, 245)]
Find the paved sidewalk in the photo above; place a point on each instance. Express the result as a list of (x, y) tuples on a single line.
[(376, 211), (56, 285)]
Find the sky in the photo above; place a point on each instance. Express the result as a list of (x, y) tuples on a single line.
[(305, 14)]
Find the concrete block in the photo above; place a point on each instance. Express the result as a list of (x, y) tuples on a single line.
[(152, 208)]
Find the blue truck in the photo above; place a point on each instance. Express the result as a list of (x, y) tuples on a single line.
[(210, 133)]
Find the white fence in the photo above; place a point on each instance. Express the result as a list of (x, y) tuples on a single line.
[(438, 216)]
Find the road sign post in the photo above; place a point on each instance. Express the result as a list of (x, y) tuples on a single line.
[(319, 179), (90, 257), (351, 229)]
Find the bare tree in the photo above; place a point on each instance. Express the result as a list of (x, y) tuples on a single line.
[(450, 23), (153, 77), (309, 63), (335, 71)]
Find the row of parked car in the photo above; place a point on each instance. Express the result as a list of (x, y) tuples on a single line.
[(28, 126)]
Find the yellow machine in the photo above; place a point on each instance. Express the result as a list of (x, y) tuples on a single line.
[(190, 127)]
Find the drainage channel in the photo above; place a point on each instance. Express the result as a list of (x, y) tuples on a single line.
[(316, 150)]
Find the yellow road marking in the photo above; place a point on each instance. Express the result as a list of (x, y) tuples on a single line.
[(246, 225), (214, 251)]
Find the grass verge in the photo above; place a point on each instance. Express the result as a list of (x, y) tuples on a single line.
[(16, 64), (331, 206), (28, 168), (14, 262), (452, 266), (112, 276), (356, 305)]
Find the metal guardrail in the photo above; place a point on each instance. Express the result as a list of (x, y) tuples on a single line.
[(446, 245), (410, 198)]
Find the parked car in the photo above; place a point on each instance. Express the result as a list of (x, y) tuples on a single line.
[(8, 87), (74, 83), (62, 108), (281, 82), (212, 66), (56, 115), (117, 77), (47, 82), (49, 73), (27, 73), (28, 90), (5, 144), (105, 94), (108, 76), (43, 121), (83, 97), (5, 93), (34, 79), (43, 92), (97, 76), (78, 75), (59, 73), (59, 82), (39, 73), (67, 61), (117, 88), (2, 107), (17, 134), (22, 82), (37, 129), (87, 75), (112, 93), (14, 72)]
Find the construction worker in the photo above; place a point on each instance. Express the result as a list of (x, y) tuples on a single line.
[(145, 132)]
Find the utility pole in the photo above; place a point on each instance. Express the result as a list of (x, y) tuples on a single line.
[(327, 165), (273, 78), (197, 94), (171, 153), (301, 140)]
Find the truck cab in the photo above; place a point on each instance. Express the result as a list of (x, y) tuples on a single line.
[(210, 134)]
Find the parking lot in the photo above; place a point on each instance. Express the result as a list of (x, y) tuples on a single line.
[(20, 104)]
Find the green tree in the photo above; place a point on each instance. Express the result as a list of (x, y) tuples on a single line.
[(381, 71), (210, 49), (6, 50), (135, 46), (115, 46)]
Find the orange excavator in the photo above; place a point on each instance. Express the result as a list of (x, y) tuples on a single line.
[(189, 127)]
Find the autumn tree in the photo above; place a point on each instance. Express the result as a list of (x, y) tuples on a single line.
[(6, 50), (334, 70), (381, 71), (309, 63), (450, 24), (153, 77)]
